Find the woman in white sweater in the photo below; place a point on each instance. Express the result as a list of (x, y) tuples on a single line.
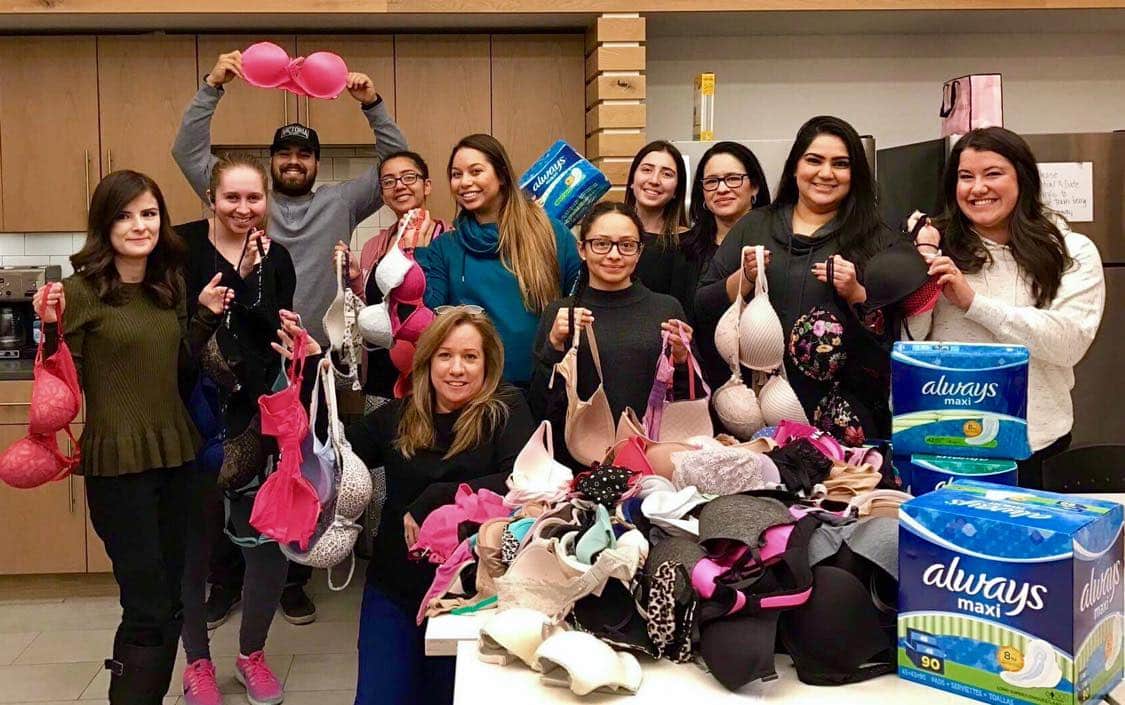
[(1013, 272)]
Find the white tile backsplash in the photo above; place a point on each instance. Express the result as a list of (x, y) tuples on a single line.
[(24, 260), (64, 264), (49, 244), (11, 244)]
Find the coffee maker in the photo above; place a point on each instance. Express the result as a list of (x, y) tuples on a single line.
[(19, 325)]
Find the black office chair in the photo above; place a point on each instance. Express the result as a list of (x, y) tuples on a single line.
[(1096, 468)]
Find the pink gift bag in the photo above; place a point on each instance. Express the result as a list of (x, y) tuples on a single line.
[(970, 102)]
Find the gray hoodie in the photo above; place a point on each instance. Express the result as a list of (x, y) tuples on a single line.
[(308, 226)]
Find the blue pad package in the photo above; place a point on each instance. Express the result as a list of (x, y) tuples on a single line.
[(962, 399), (565, 183)]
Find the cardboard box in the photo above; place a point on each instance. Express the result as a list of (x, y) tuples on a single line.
[(1008, 595), (703, 120)]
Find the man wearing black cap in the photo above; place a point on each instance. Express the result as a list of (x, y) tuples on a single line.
[(308, 224)]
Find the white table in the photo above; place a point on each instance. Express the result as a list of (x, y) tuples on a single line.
[(479, 683)]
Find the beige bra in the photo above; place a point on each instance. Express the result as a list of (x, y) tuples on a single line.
[(589, 431), (751, 334)]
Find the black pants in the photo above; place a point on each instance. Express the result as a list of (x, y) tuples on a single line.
[(142, 518), (1031, 470), (227, 566)]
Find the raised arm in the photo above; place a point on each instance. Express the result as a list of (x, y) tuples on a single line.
[(362, 193), (192, 147)]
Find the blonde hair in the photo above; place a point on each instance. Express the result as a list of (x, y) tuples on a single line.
[(234, 160), (527, 237), (485, 412)]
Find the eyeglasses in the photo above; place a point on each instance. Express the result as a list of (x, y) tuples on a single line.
[(601, 246), (733, 181), (470, 308), (408, 179)]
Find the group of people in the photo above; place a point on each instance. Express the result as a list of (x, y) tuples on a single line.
[(165, 323)]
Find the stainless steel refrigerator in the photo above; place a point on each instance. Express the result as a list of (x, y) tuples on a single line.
[(910, 178)]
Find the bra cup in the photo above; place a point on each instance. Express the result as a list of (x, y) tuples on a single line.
[(374, 324), (726, 334), (392, 270), (265, 65), (761, 339), (322, 75), (413, 286), (53, 404), (779, 402), (415, 324), (585, 664), (738, 409), (334, 322)]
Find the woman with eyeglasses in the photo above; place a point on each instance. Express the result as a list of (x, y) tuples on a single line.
[(505, 254), (404, 179), (728, 183), (460, 424), (629, 320), (819, 234)]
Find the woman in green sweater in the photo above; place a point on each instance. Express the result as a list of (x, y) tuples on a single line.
[(127, 328)]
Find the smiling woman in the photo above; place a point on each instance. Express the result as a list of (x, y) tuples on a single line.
[(461, 424), (506, 255), (825, 210), (1012, 271), (127, 327)]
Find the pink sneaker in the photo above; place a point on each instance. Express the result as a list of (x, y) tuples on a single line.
[(200, 687), (262, 686)]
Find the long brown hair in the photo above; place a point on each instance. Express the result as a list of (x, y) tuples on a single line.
[(1037, 244), (527, 238), (485, 412), (675, 217), (95, 262)]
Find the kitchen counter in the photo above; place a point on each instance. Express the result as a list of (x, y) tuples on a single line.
[(15, 370)]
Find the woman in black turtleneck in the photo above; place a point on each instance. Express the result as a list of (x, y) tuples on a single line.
[(825, 207), (627, 317)]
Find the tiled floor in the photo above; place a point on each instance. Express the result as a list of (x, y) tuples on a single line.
[(54, 637)]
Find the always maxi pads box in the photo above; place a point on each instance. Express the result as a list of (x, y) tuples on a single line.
[(1009, 595), (564, 183), (959, 399), (925, 473)]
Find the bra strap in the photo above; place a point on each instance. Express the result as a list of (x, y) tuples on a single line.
[(761, 286)]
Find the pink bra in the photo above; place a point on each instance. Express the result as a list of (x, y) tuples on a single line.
[(321, 74)]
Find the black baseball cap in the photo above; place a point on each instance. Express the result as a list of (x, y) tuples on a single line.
[(295, 135)]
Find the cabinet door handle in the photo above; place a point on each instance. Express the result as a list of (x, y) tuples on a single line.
[(70, 490), (109, 159), (86, 164), (285, 107)]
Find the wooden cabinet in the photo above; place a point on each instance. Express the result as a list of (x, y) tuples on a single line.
[(48, 132), (46, 526), (538, 94), (340, 121), (443, 91), (145, 83), (247, 115)]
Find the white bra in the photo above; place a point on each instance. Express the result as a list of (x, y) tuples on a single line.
[(752, 331), (511, 634), (752, 334), (536, 475), (586, 664)]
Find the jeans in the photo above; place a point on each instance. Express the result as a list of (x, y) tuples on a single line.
[(393, 667), (142, 518)]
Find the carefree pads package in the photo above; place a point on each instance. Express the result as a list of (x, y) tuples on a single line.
[(565, 183), (925, 473), (960, 399), (1008, 595)]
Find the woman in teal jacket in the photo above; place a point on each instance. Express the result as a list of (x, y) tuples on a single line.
[(505, 255)]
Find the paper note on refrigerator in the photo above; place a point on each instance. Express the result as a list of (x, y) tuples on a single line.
[(1068, 187)]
